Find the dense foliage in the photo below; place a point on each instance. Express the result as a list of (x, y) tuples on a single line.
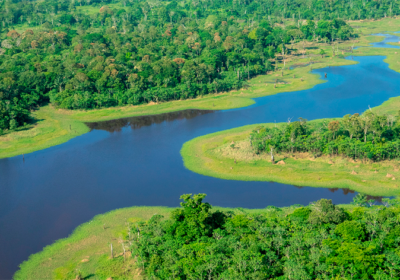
[(368, 136), (319, 241), (91, 54)]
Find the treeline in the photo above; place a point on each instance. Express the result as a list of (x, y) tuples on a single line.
[(319, 241), (35, 13), (366, 137), (84, 54)]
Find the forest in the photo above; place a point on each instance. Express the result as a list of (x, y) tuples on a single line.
[(93, 54), (318, 241), (366, 137)]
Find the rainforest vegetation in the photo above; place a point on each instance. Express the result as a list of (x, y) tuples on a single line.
[(367, 137), (319, 241), (92, 54)]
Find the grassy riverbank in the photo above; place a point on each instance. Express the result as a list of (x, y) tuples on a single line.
[(53, 127), (87, 249), (212, 155)]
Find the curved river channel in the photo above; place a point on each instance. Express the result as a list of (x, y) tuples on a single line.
[(137, 161)]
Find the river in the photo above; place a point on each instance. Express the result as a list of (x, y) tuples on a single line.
[(136, 161)]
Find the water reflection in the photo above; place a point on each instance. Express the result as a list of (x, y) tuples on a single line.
[(377, 199), (345, 191), (141, 121)]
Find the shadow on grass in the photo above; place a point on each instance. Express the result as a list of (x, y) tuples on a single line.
[(28, 125)]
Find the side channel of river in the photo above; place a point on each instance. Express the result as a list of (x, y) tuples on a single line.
[(136, 161)]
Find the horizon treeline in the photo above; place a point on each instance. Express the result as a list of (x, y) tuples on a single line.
[(91, 54), (367, 137), (318, 241)]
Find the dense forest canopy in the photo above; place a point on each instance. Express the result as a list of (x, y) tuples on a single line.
[(319, 241), (366, 137), (92, 54)]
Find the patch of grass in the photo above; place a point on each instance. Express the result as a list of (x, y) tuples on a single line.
[(376, 26), (50, 129), (389, 107), (87, 249), (221, 101)]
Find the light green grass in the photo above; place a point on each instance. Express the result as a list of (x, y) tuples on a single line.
[(52, 128), (90, 241), (376, 26)]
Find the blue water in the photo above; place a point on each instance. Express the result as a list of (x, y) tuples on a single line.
[(137, 162), (388, 39)]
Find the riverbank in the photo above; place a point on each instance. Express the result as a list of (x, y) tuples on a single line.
[(53, 127), (212, 155), (87, 249)]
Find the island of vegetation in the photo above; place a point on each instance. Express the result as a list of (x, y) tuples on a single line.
[(64, 63), (196, 241), (358, 152)]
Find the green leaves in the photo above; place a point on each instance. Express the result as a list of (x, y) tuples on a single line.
[(320, 241), (350, 231), (324, 212)]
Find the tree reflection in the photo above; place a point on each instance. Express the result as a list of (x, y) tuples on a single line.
[(140, 121)]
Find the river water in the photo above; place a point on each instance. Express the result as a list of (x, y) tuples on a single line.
[(136, 161)]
